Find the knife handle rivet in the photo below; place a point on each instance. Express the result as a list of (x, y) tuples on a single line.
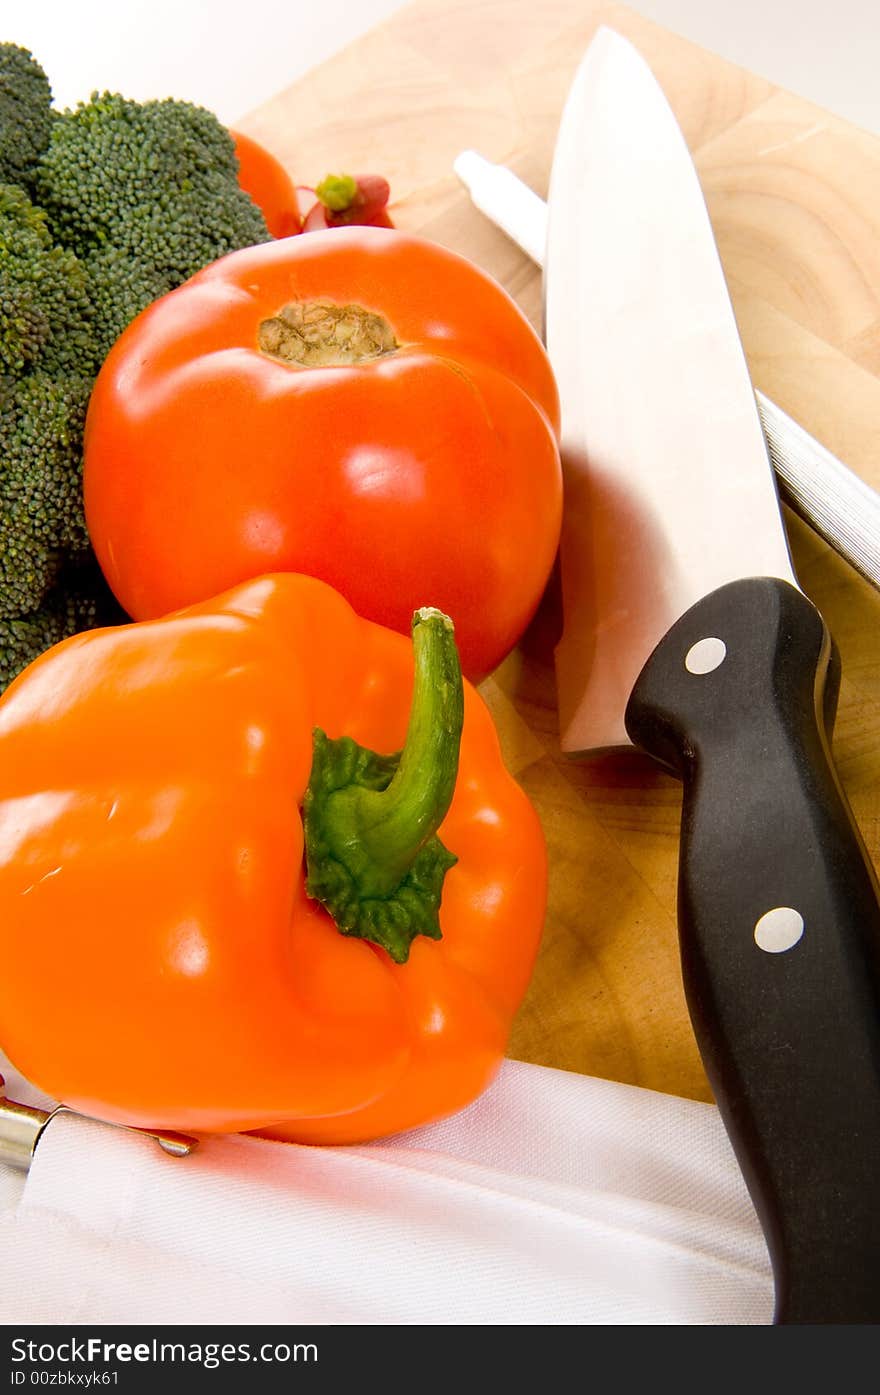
[(779, 929), (706, 655)]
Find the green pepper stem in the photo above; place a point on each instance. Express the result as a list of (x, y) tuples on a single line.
[(393, 824), (373, 857)]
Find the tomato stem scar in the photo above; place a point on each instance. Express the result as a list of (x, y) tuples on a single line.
[(322, 333)]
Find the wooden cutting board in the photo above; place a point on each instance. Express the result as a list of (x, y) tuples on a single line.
[(794, 196)]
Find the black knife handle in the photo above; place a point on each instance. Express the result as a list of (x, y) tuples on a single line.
[(790, 1037)]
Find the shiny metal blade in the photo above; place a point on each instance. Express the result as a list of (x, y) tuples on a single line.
[(669, 488), (840, 506)]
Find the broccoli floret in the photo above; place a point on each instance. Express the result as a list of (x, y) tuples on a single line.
[(79, 600), (25, 113), (116, 203), (41, 510), (45, 308), (120, 287), (157, 181), (47, 366)]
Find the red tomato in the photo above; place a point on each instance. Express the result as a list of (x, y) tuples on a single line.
[(269, 185), (408, 458)]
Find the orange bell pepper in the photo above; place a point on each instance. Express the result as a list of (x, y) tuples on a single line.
[(167, 959)]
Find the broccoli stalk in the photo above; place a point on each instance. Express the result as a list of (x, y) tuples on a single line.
[(102, 209)]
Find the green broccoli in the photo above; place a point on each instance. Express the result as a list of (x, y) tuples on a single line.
[(80, 600), (45, 303), (120, 286), (41, 512), (47, 366), (25, 113), (146, 194), (103, 209)]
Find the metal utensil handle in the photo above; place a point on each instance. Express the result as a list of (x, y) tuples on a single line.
[(22, 1126)]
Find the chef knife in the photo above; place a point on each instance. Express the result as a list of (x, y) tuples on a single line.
[(825, 493), (686, 634)]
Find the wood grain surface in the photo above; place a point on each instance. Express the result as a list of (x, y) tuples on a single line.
[(794, 197)]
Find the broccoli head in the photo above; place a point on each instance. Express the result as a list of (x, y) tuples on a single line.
[(120, 286), (47, 366), (25, 113), (45, 306), (104, 208), (156, 181), (79, 600), (41, 510)]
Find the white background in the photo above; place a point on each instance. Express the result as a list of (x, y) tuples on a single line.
[(233, 56)]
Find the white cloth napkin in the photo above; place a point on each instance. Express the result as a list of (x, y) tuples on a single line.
[(554, 1199)]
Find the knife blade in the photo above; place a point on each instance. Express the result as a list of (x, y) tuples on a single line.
[(686, 634), (829, 496)]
